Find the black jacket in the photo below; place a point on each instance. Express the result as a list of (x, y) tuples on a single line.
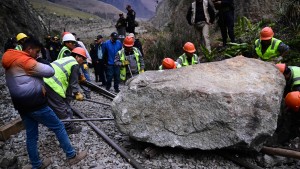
[(211, 13)]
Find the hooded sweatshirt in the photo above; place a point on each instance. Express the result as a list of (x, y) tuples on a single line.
[(24, 78)]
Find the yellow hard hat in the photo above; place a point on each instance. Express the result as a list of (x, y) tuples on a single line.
[(21, 36)]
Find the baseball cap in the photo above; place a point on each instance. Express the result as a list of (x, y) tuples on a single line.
[(114, 35), (99, 37)]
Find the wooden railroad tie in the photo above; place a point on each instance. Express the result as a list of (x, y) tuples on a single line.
[(10, 128)]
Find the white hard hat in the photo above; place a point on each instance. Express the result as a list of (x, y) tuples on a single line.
[(68, 37)]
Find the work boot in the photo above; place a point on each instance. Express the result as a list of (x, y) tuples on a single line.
[(72, 129), (78, 157), (46, 162)]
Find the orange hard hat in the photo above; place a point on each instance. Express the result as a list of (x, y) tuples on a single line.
[(281, 67), (128, 41), (266, 33), (64, 33), (189, 47), (80, 51), (292, 100), (168, 63)]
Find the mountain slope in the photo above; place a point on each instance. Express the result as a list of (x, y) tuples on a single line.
[(96, 7)]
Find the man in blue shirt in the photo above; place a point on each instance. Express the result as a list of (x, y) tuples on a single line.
[(110, 49)]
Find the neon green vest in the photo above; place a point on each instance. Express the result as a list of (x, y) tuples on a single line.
[(295, 74), (18, 47), (62, 51), (60, 81), (122, 59), (185, 62), (271, 52)]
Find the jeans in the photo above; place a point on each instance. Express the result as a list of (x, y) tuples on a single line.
[(47, 117), (85, 73), (113, 71)]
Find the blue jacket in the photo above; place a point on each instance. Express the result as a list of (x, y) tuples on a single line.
[(110, 51)]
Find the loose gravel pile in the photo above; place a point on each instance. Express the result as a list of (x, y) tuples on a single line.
[(100, 154)]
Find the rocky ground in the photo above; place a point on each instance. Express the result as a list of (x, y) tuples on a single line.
[(100, 155)]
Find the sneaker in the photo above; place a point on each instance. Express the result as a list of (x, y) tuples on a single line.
[(78, 157), (46, 162)]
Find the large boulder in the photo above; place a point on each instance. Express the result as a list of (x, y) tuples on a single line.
[(207, 106)]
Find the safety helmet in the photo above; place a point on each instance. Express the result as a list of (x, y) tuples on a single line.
[(128, 41), (189, 47), (21, 36), (292, 100), (68, 37), (80, 51), (281, 67), (168, 63), (266, 33), (64, 33)]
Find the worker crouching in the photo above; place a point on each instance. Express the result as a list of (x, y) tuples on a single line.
[(65, 82), (169, 63), (129, 59)]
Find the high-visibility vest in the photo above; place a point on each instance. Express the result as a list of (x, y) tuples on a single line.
[(62, 51), (271, 52), (60, 81), (295, 74), (185, 62), (18, 47), (122, 59)]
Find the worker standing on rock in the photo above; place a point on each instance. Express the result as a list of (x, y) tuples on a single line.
[(24, 73), (269, 48), (21, 37), (129, 59), (65, 82), (168, 63), (130, 18), (189, 57), (201, 15)]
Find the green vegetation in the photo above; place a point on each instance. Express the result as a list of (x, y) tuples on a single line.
[(60, 10)]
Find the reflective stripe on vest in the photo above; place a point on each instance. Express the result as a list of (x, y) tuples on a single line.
[(295, 73), (185, 62), (62, 51), (18, 47), (60, 81), (122, 58), (271, 52)]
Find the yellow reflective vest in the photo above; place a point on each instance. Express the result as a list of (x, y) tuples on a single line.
[(122, 59), (60, 81), (185, 62), (272, 51)]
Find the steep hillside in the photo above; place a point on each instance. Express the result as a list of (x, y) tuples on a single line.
[(104, 10), (17, 16), (140, 6), (59, 18), (175, 10)]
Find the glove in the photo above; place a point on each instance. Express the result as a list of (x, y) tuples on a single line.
[(85, 66), (78, 96), (82, 78), (125, 63), (142, 71)]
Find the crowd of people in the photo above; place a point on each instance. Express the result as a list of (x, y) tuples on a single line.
[(57, 68)]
